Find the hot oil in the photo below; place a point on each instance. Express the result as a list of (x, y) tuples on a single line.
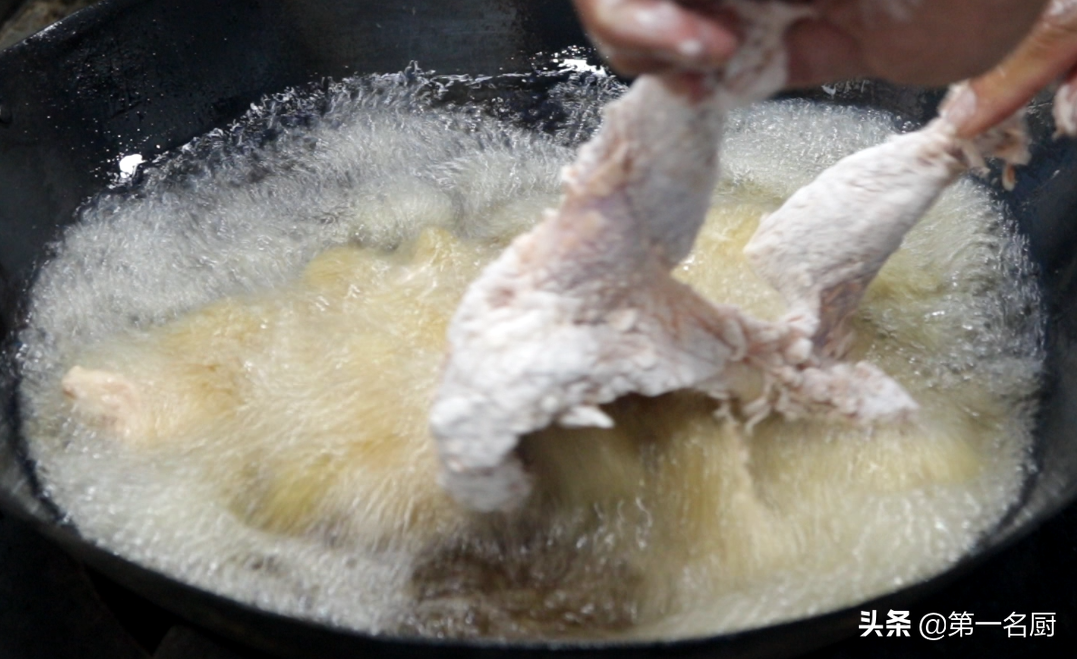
[(276, 299)]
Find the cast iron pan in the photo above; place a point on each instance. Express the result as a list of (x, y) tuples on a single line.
[(145, 76)]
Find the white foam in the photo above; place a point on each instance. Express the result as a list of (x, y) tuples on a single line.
[(582, 66)]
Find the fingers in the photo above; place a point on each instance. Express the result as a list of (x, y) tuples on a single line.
[(930, 45), (925, 43), (819, 53), (1048, 52), (650, 36)]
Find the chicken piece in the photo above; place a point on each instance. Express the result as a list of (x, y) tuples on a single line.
[(108, 401), (583, 310), (823, 247)]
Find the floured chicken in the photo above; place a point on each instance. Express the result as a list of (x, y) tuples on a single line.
[(823, 247), (583, 310), (827, 243)]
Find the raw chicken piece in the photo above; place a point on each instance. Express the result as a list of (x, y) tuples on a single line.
[(583, 309), (823, 247)]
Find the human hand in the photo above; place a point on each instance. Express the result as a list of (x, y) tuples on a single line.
[(927, 42), (1048, 52)]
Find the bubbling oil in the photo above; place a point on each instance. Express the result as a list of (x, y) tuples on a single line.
[(267, 313)]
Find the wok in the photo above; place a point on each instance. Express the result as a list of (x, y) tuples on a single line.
[(146, 76)]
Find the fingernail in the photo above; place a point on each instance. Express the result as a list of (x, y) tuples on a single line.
[(690, 48)]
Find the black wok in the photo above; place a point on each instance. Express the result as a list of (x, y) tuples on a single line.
[(146, 76)]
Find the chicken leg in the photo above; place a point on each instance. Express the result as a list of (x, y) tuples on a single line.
[(828, 241), (583, 309)]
